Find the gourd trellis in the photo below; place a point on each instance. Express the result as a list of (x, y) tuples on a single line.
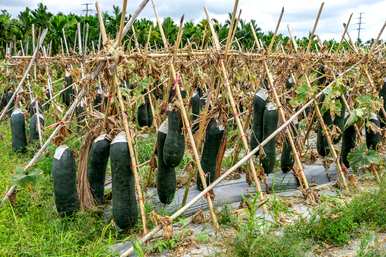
[(227, 76)]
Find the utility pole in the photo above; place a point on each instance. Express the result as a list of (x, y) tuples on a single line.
[(87, 8), (360, 27)]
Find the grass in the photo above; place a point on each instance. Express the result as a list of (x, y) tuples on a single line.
[(32, 227), (332, 223)]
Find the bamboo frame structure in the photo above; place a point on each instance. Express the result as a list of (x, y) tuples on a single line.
[(234, 109), (186, 120), (106, 65)]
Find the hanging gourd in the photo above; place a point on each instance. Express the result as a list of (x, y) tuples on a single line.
[(270, 121), (174, 146), (145, 114), (287, 159), (322, 145), (196, 108), (259, 104), (68, 90), (339, 120), (166, 175), (64, 177), (96, 167), (19, 139), (213, 138), (382, 95), (348, 143), (373, 137), (125, 211), (34, 126)]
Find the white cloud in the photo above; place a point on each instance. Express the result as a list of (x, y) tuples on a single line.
[(299, 14)]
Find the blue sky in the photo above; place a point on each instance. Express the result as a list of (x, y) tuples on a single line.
[(299, 14)]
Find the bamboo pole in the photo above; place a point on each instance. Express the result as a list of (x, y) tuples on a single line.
[(40, 42), (122, 23), (186, 120), (65, 41), (318, 112), (314, 28), (102, 27), (299, 172), (33, 47), (276, 30), (132, 157), (234, 108)]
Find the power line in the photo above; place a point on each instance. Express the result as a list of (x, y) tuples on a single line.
[(87, 9), (360, 27)]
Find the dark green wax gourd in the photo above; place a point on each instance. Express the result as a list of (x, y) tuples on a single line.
[(96, 167), (373, 138), (32, 108), (166, 175), (19, 138), (64, 177), (196, 109), (6, 98), (48, 96), (289, 83), (144, 114), (321, 75), (348, 143), (174, 146), (68, 93), (339, 120), (149, 111), (270, 121), (2, 101), (213, 138), (321, 140), (34, 126), (259, 103), (80, 112), (99, 99), (125, 211), (382, 95), (287, 160)]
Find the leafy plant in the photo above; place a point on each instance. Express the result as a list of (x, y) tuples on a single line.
[(202, 237), (362, 158), (332, 102), (367, 249), (365, 106), (225, 216), (303, 93), (138, 249), (23, 178)]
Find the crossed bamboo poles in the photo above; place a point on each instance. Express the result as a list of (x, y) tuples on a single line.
[(174, 75)]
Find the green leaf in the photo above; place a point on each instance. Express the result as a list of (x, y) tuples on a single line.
[(362, 158), (22, 178), (138, 249)]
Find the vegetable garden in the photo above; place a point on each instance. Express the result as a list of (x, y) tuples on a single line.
[(129, 126)]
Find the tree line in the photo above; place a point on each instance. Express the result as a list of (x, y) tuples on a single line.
[(18, 31)]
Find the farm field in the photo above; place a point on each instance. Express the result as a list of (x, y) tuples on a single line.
[(143, 135)]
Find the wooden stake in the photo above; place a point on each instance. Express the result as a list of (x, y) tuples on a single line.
[(132, 157), (36, 49), (186, 121), (234, 108)]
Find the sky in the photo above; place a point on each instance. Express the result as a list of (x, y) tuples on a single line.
[(298, 14)]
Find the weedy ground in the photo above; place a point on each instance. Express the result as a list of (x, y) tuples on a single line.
[(32, 226)]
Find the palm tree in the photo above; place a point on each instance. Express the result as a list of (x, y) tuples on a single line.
[(41, 17)]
